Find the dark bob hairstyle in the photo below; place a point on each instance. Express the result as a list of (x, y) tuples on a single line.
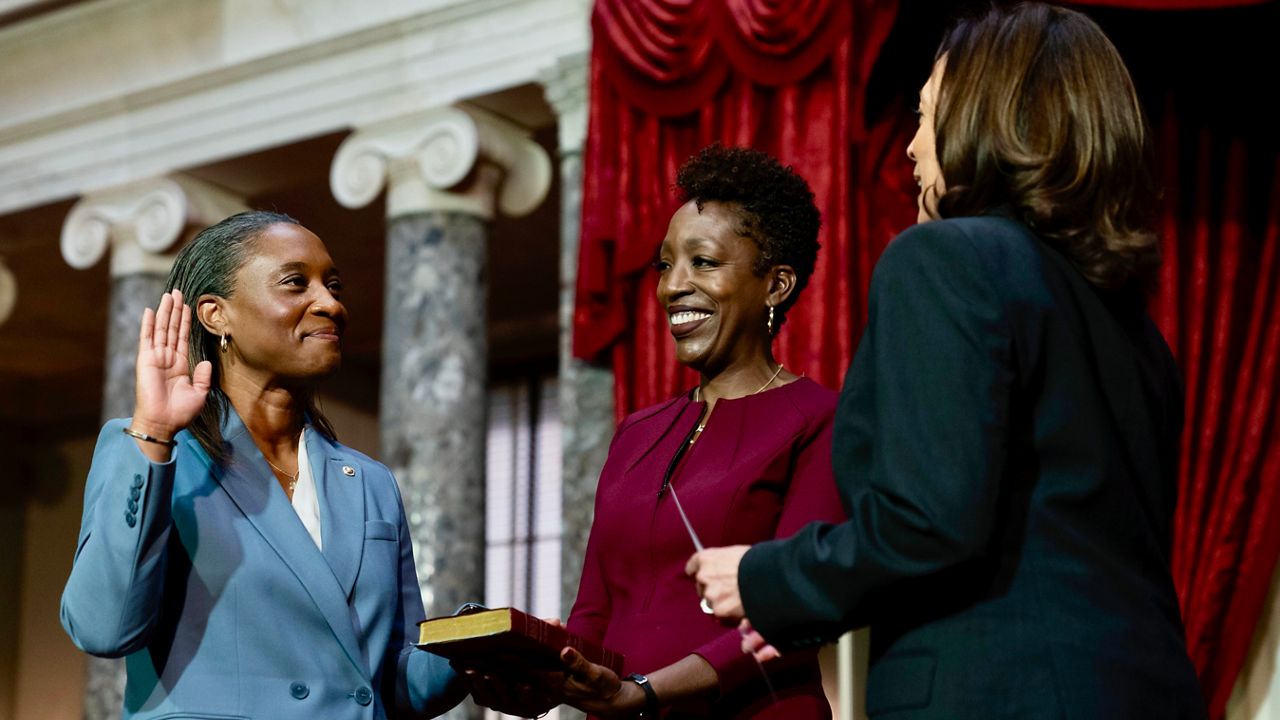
[(1038, 116)]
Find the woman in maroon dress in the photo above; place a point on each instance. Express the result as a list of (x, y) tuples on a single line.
[(746, 455)]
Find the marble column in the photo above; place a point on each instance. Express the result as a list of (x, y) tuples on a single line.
[(446, 172), (432, 413), (140, 224), (586, 390)]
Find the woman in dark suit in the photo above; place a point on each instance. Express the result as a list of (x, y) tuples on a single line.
[(1006, 438), (242, 561)]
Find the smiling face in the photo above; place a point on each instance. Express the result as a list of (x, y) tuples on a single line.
[(716, 304), (284, 318), (923, 151)]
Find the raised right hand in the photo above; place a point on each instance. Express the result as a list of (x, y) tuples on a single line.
[(168, 394)]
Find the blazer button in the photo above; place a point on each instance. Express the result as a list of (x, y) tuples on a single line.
[(363, 695), (130, 519), (133, 506), (134, 493), (299, 690), (137, 481)]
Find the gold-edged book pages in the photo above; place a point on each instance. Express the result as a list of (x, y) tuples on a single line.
[(507, 638)]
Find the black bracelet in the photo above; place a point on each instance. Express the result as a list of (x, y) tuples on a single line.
[(148, 438), (651, 707)]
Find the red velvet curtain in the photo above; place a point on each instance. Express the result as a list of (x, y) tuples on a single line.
[(1218, 305), (671, 76)]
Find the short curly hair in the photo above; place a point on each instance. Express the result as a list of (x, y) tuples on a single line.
[(774, 205)]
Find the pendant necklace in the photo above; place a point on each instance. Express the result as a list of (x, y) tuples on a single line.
[(697, 394), (293, 478)]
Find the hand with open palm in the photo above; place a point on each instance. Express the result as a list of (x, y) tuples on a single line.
[(168, 394)]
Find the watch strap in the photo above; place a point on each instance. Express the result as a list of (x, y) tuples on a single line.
[(651, 706)]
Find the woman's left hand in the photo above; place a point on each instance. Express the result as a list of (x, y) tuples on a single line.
[(716, 572), (754, 644), (528, 697), (597, 690)]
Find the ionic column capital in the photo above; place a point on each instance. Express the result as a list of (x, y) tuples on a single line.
[(140, 221), (565, 86), (458, 158)]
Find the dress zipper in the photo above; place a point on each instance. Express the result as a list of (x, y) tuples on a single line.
[(675, 460), (666, 483)]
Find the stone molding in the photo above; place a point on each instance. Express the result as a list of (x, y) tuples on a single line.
[(459, 159), (126, 102), (564, 84), (140, 221)]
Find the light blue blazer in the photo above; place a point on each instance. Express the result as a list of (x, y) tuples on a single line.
[(206, 581)]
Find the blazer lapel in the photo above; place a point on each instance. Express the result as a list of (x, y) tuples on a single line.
[(248, 481), (340, 485)]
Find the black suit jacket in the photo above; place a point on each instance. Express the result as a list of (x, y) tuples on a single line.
[(1005, 445)]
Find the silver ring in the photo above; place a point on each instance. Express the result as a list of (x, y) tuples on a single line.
[(706, 607)]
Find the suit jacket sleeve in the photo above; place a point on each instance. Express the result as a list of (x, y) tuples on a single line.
[(930, 388), (113, 596), (426, 684)]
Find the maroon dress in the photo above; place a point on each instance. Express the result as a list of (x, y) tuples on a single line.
[(761, 469)]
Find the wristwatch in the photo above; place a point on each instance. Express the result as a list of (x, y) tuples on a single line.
[(651, 708)]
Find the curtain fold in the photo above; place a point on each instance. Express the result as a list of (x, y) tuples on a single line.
[(1218, 305), (808, 115), (671, 76), (671, 57)]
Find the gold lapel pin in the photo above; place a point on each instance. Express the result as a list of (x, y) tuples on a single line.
[(348, 471)]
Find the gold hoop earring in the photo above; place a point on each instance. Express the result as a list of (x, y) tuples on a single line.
[(223, 344), (769, 324)]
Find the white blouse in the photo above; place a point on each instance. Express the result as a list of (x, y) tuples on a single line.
[(305, 501)]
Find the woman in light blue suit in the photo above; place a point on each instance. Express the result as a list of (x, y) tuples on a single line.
[(245, 563)]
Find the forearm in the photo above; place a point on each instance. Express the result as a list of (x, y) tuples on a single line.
[(919, 450), (808, 589), (113, 596), (794, 594), (687, 680), (428, 686), (690, 678)]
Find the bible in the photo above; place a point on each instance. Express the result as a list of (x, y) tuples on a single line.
[(507, 638)]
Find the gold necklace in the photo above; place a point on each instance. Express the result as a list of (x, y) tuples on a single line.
[(698, 394), (293, 478)]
